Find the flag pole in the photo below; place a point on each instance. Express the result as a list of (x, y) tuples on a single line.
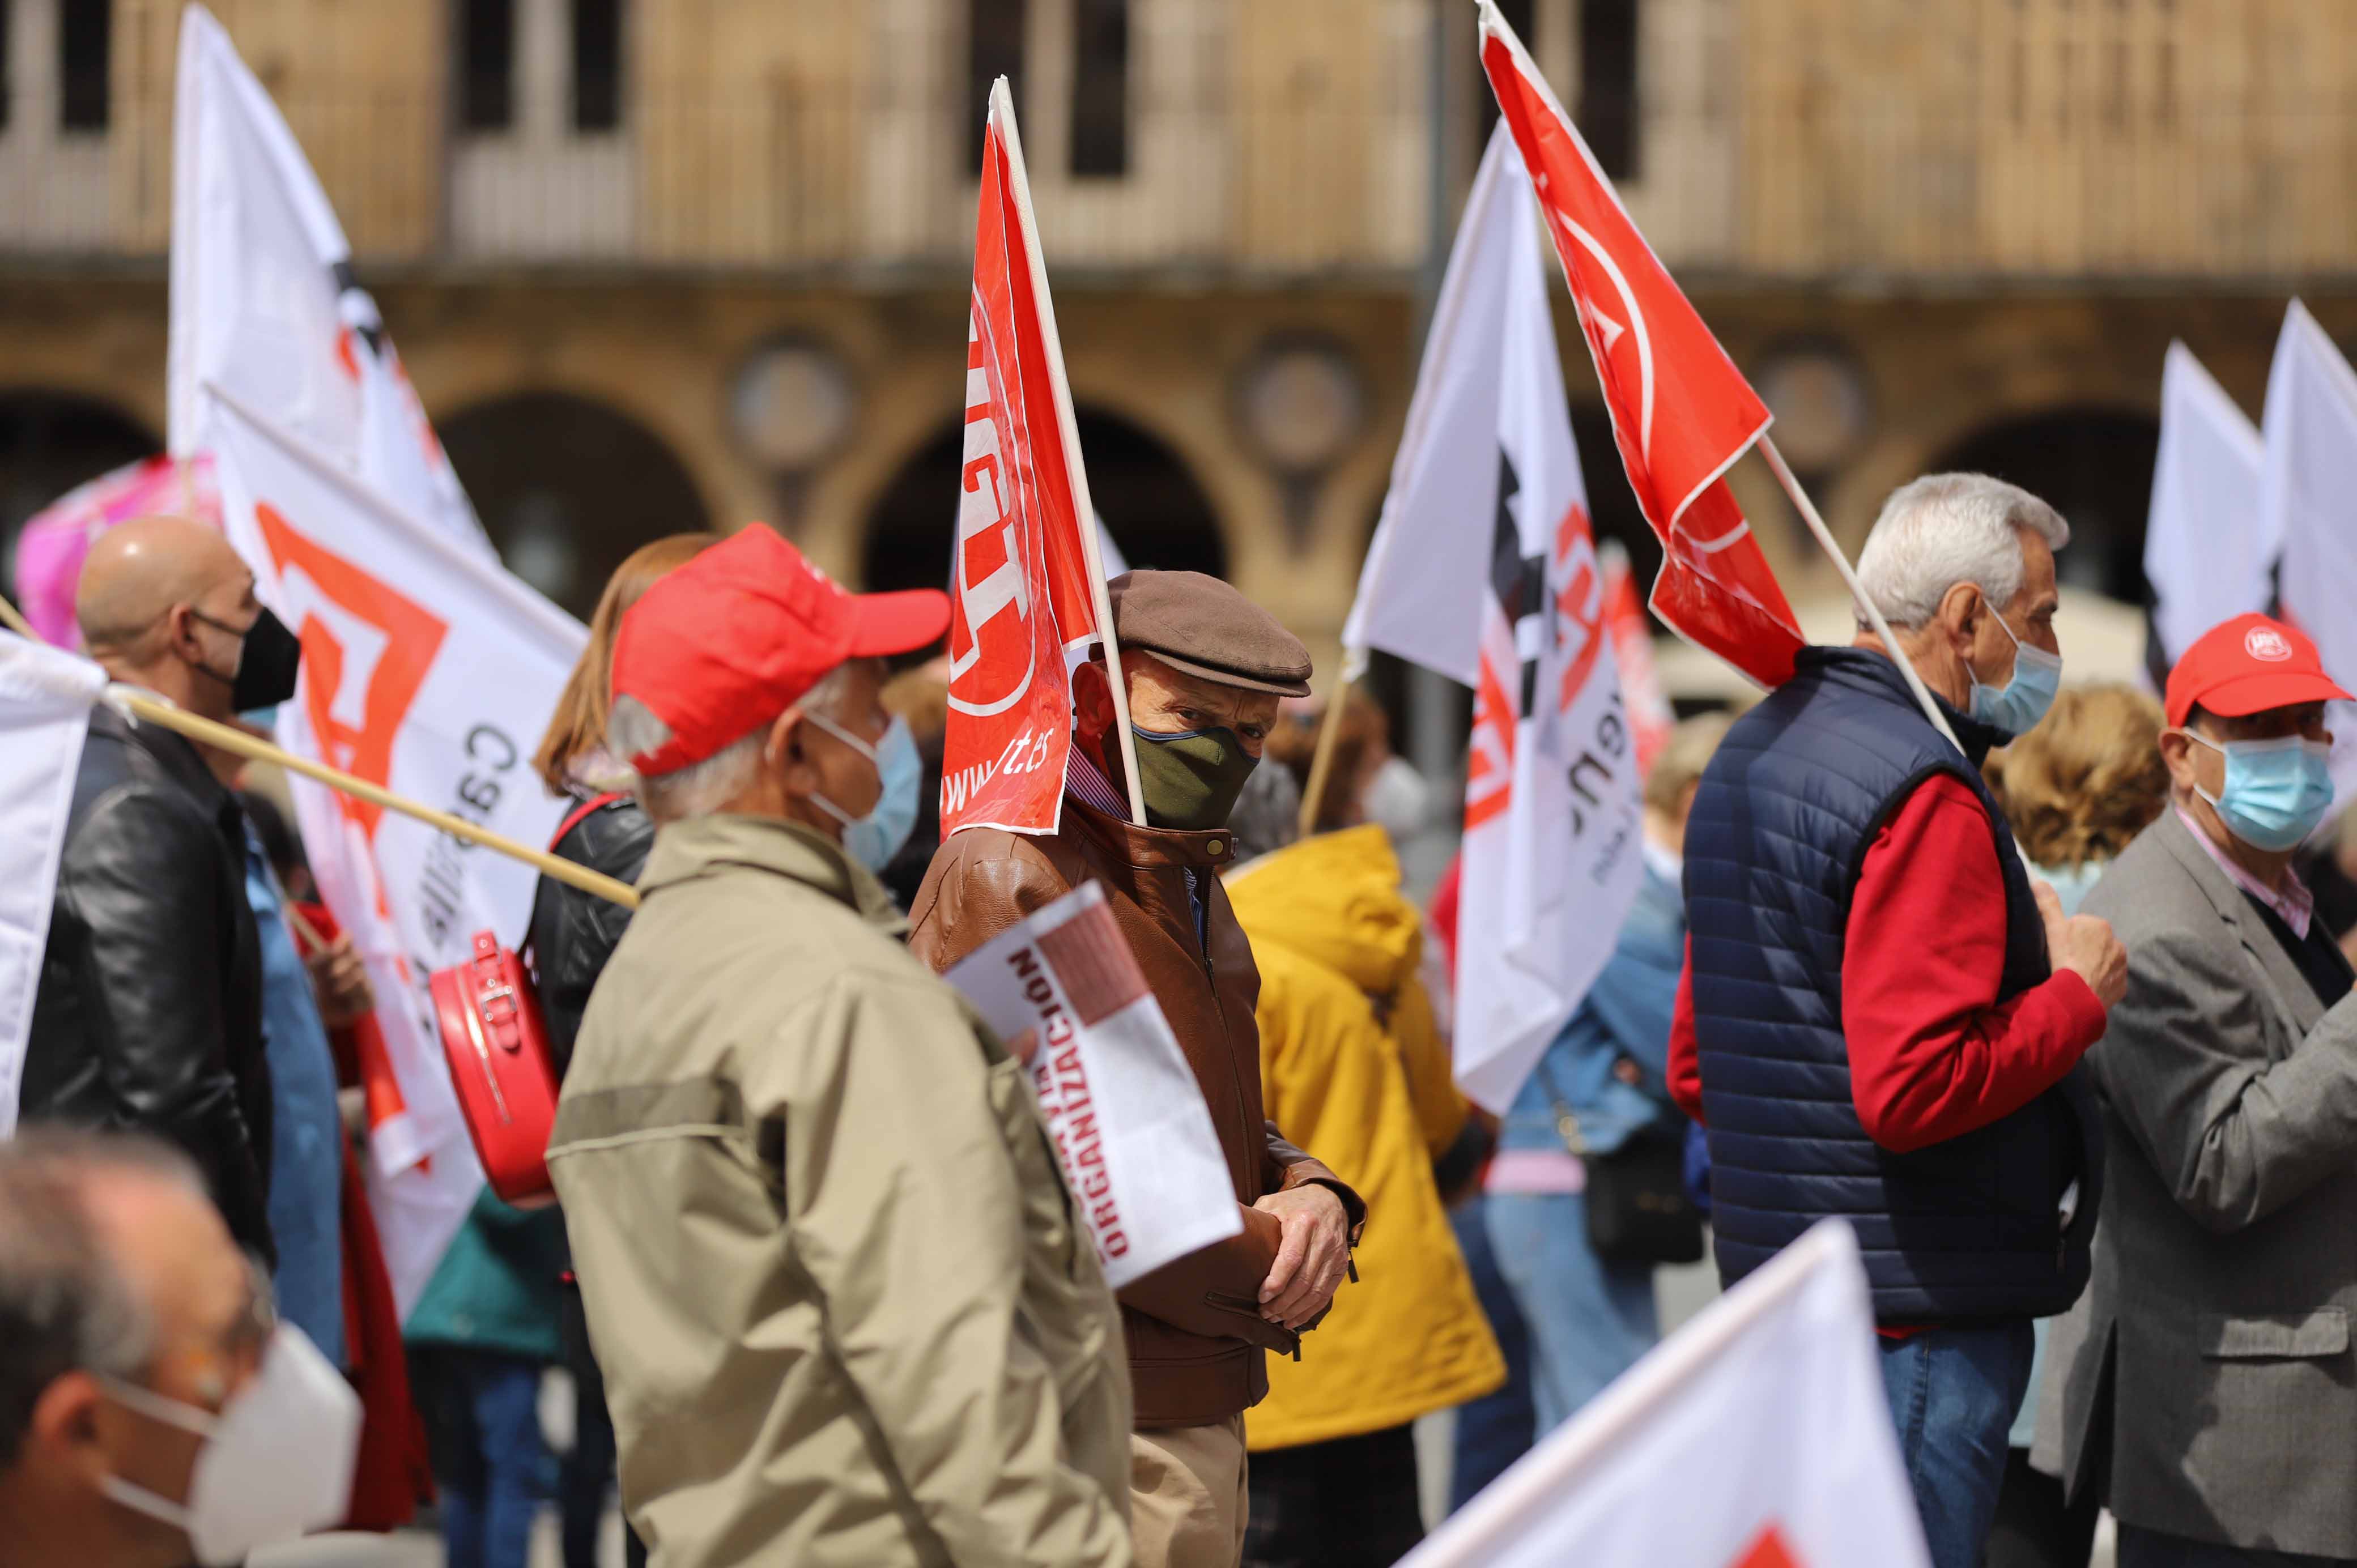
[(224, 737), (1084, 512), (1321, 760), (1833, 550)]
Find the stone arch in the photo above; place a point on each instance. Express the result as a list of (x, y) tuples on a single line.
[(568, 487), (2093, 463), (50, 441), (1158, 512)]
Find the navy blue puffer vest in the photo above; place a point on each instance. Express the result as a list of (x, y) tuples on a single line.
[(1966, 1228)]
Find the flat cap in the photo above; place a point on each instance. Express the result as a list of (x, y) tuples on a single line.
[(1202, 626)]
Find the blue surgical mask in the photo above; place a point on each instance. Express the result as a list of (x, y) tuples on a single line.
[(2016, 707), (873, 839), (2276, 790)]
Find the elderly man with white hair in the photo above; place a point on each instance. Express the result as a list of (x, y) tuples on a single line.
[(844, 1310), (1881, 1016)]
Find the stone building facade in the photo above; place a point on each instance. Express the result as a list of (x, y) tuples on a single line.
[(664, 263)]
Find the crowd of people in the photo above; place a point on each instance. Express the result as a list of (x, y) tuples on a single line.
[(2043, 991)]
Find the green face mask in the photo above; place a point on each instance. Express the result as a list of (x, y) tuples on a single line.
[(1190, 778)]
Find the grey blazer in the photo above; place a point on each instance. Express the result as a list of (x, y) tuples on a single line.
[(2215, 1395)]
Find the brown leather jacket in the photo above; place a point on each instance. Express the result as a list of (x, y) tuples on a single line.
[(1196, 1336)]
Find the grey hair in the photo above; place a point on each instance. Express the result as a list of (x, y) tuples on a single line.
[(66, 1303), (1946, 528), (703, 786)]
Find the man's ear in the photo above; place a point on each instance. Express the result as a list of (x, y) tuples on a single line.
[(1960, 608), (65, 1422), (1092, 697), (783, 748)]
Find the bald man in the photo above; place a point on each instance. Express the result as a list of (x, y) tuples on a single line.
[(149, 1010)]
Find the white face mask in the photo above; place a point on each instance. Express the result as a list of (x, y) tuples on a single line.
[(277, 1461), (1398, 798)]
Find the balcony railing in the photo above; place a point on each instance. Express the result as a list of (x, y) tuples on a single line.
[(819, 178)]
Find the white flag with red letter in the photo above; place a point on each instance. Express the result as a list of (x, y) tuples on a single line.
[(1120, 1102), (1483, 568), (2209, 549), (430, 671), (1682, 412), (2308, 499), (265, 303), (45, 698), (1650, 716), (1024, 573), (1757, 1436)]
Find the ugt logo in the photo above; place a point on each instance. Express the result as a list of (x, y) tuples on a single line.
[(992, 578)]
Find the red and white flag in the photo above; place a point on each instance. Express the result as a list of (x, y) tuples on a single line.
[(1483, 568), (1025, 575), (1650, 716), (265, 303), (1682, 412), (2306, 501), (431, 671), (1757, 1436), (1119, 1101)]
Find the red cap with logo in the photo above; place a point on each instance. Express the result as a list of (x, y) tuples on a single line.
[(2247, 665), (725, 643)]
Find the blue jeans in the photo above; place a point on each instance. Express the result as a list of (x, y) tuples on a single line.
[(491, 1462), (1953, 1393), (1589, 1319), (1493, 1431)]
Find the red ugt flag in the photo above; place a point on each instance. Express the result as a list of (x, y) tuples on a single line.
[(1682, 412), (1021, 589)]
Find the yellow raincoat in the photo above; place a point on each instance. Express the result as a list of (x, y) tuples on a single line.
[(1354, 1070)]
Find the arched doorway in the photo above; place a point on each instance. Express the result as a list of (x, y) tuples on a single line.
[(2094, 466), (568, 487), (51, 441), (1158, 514)]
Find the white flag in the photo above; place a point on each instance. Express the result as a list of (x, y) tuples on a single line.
[(265, 303), (431, 671), (1757, 1436), (2210, 548), (45, 698), (1483, 568), (1120, 1103), (2309, 498)]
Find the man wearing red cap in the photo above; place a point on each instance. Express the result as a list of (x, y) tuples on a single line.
[(824, 1250), (2215, 1399), (1204, 668)]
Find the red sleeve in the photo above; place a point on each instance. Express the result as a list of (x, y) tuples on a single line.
[(1931, 1056), (1685, 1061)]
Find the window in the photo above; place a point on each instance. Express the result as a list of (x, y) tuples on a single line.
[(1607, 83), (487, 34), (1101, 88), (1518, 16), (597, 65), (994, 49), (84, 41)]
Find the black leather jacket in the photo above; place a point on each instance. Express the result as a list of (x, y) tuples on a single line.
[(572, 933), (149, 1012)]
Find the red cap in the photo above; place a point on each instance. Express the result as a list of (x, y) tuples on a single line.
[(728, 642), (2246, 666)]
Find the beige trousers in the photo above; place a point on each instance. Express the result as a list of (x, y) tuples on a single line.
[(1187, 1495)]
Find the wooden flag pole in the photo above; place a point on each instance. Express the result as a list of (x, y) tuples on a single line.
[(155, 710), (224, 737), (1321, 760), (1824, 537), (1001, 108)]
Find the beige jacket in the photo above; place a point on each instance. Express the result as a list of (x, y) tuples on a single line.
[(831, 1273)]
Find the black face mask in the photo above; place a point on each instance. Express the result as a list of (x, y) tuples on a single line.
[(266, 666)]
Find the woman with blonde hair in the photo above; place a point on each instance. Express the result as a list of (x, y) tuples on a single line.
[(2077, 790), (572, 935)]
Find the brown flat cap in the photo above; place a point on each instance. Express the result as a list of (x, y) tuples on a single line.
[(1201, 625)]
